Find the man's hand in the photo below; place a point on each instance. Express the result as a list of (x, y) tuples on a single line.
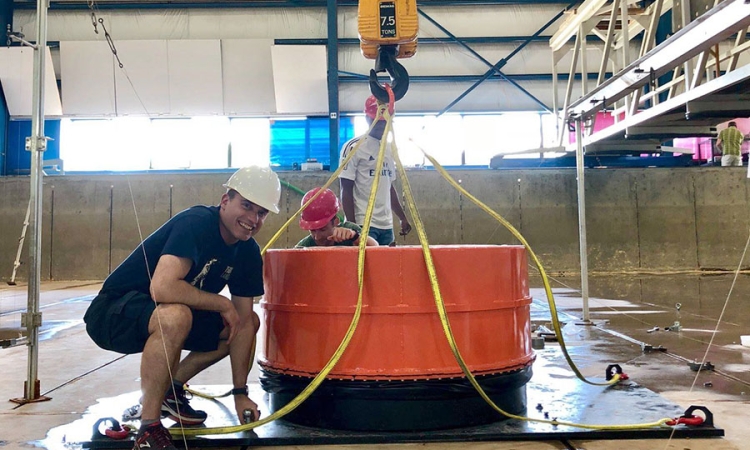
[(341, 234), (405, 227), (231, 319), (243, 403)]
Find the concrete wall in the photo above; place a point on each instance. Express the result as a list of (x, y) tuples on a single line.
[(637, 219)]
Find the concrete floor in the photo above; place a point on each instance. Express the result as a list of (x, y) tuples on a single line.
[(75, 373)]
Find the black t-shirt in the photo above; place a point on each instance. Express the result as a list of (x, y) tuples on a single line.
[(193, 234)]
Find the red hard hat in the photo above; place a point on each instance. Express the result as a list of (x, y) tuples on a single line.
[(371, 108), (319, 212)]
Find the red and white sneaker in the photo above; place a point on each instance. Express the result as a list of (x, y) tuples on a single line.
[(154, 437)]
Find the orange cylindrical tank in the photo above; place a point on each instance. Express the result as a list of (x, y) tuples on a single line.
[(311, 296)]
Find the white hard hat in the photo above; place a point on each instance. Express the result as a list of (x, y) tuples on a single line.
[(260, 185)]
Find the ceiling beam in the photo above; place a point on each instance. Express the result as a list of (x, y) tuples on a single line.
[(61, 5)]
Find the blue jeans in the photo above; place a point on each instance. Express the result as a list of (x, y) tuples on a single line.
[(383, 236)]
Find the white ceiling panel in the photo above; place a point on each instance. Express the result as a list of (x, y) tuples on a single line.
[(300, 79), (88, 72), (143, 84), (195, 77), (17, 77), (248, 77)]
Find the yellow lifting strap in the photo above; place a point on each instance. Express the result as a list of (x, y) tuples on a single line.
[(387, 31), (440, 305)]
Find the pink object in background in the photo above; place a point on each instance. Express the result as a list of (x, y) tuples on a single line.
[(603, 120), (701, 147)]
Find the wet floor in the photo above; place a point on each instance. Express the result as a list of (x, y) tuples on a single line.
[(677, 315), (628, 312), (553, 393), (55, 306)]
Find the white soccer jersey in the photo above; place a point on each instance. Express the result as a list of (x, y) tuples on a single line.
[(361, 169)]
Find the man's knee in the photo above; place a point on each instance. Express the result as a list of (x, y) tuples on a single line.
[(174, 320), (255, 320), (250, 323)]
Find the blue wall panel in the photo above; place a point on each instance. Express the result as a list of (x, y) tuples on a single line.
[(4, 117), (18, 160), (295, 141)]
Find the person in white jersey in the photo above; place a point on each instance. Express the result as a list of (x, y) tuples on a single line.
[(357, 177)]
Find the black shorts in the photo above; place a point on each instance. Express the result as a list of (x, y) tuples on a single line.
[(120, 324)]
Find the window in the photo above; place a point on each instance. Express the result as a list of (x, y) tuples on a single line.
[(96, 145), (484, 137), (550, 130), (454, 139), (251, 142), (126, 144)]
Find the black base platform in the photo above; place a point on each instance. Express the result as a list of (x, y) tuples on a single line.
[(556, 392), (398, 405)]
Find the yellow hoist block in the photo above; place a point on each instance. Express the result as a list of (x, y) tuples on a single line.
[(388, 22)]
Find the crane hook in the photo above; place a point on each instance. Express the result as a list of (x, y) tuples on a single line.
[(386, 62)]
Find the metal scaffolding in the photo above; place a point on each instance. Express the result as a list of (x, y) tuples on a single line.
[(707, 82), (36, 144)]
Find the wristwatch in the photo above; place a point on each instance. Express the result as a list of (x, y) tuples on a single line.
[(356, 236), (240, 391)]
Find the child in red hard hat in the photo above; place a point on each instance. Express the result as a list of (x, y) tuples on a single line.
[(326, 229)]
